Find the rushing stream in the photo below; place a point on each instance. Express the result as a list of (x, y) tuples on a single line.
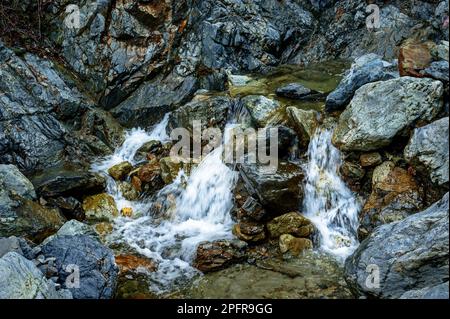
[(328, 202), (196, 207)]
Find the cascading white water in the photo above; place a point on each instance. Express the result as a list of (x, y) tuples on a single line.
[(201, 205), (328, 202)]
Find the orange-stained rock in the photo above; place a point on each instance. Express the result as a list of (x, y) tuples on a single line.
[(137, 184), (131, 263), (126, 212), (149, 172), (413, 58)]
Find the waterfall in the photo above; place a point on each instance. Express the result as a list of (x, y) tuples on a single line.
[(200, 207), (328, 202)]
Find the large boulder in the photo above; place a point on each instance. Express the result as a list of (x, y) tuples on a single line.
[(366, 69), (407, 255), (97, 269), (429, 147), (261, 109), (21, 279), (279, 192), (380, 111)]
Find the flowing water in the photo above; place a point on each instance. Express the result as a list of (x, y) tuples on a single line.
[(198, 209), (328, 202)]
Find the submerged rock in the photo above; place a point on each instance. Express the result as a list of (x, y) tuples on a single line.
[(401, 254), (295, 91), (366, 69), (382, 110), (219, 255), (429, 147), (97, 269), (21, 279)]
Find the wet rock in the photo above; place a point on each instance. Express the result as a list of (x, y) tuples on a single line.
[(366, 69), (401, 252), (305, 122), (429, 147), (413, 58), (128, 191), (260, 108), (100, 207), (286, 139), (218, 255), (21, 279), (249, 232), (171, 166), (279, 192), (253, 209), (97, 269), (292, 223), (380, 111), (68, 182), (120, 171), (150, 176), (133, 263), (395, 195), (210, 112), (69, 206), (295, 91), (293, 245), (13, 180), (435, 292), (152, 147), (126, 212), (370, 159)]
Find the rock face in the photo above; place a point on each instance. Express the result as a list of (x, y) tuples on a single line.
[(21, 279), (429, 147), (38, 104), (402, 254), (219, 255), (278, 193), (366, 69), (97, 269), (381, 110)]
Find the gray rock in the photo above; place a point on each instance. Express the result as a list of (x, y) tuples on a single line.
[(211, 111), (98, 271), (21, 279), (429, 147), (16, 244), (435, 292), (438, 70), (380, 111), (72, 228), (279, 193), (410, 254), (260, 108), (295, 91), (366, 69), (13, 180)]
